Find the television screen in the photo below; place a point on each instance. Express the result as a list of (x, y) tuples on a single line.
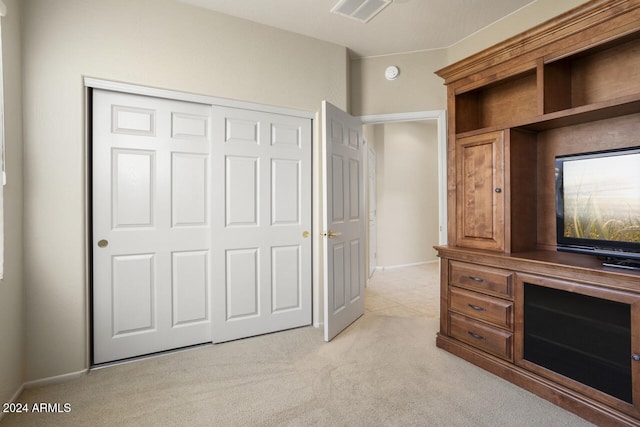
[(598, 199)]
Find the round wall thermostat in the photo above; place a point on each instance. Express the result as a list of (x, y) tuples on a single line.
[(391, 72)]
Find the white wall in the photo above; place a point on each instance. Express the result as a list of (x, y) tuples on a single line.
[(160, 43), (407, 192), (12, 325)]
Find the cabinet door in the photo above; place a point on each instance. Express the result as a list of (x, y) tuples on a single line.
[(480, 197), (582, 337)]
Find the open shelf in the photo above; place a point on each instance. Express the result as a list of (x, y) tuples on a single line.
[(605, 72), (494, 105), (573, 116), (594, 84)]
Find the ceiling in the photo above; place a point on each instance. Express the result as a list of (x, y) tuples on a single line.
[(403, 26)]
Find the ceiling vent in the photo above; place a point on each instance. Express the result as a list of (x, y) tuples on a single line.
[(360, 10)]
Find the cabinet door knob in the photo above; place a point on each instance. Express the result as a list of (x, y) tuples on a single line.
[(635, 357), (498, 190)]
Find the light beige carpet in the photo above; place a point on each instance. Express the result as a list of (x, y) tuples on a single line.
[(384, 370)]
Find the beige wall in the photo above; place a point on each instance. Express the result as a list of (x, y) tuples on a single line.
[(12, 329), (160, 43), (415, 89), (529, 16), (407, 192)]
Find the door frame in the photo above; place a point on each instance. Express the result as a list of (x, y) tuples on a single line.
[(371, 193), (90, 83), (440, 116), (93, 83)]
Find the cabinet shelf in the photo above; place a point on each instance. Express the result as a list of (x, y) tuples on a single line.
[(597, 325), (573, 116), (585, 114), (594, 359)]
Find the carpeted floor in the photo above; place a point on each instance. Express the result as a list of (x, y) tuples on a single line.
[(384, 370)]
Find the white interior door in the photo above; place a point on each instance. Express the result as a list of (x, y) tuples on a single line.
[(151, 224), (344, 220), (262, 265)]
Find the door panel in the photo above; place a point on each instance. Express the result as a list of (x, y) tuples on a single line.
[(151, 203), (242, 189), (190, 287), (285, 191), (262, 279), (286, 292), (133, 186), (242, 283), (133, 293), (190, 190), (356, 263), (343, 220)]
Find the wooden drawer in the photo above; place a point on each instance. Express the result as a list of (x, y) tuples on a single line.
[(485, 337), (482, 307), (488, 279)]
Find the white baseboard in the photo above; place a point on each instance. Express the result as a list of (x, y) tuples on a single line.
[(415, 264), (56, 379)]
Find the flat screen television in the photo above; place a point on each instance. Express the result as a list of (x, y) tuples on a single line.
[(598, 205)]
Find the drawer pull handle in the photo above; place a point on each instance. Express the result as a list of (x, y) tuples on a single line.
[(476, 279), (476, 307), (476, 336)]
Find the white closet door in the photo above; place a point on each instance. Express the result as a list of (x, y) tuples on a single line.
[(151, 225), (261, 223)]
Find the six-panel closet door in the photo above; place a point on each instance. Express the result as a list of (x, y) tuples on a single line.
[(198, 217), (262, 271), (151, 225)]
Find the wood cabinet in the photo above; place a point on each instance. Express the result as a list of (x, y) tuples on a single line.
[(570, 85)]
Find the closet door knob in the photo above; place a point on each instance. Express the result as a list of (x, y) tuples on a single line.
[(103, 243)]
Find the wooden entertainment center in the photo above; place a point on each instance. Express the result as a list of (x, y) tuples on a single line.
[(570, 85)]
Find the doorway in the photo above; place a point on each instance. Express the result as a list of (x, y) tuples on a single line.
[(408, 211)]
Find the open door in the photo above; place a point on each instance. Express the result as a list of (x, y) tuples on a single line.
[(344, 219)]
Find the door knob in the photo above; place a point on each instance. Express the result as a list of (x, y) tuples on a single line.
[(103, 243), (331, 234)]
